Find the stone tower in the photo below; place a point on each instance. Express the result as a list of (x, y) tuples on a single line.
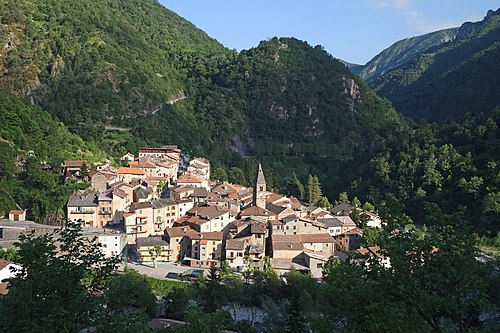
[(259, 189)]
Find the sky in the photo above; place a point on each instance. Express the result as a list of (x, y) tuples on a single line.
[(351, 30)]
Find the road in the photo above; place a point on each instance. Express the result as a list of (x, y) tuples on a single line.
[(160, 272)]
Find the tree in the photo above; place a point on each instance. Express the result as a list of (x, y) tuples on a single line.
[(294, 187), (313, 189), (343, 198), (371, 236), (130, 291), (57, 288), (218, 173), (435, 283), (155, 252), (324, 203), (214, 291)]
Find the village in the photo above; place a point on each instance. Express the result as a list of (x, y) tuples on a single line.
[(200, 222), (163, 207)]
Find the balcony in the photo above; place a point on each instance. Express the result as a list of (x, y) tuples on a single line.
[(83, 211), (135, 232), (141, 221), (106, 212)]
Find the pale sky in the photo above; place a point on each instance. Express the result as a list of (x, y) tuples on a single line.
[(352, 30)]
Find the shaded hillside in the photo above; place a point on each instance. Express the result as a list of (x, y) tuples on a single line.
[(444, 83), (39, 144)]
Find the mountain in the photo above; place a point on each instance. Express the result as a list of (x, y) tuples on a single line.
[(88, 62), (404, 51), (448, 80), (136, 66), (32, 146)]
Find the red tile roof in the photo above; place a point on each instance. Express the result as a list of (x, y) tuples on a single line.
[(316, 238), (189, 179), (131, 171)]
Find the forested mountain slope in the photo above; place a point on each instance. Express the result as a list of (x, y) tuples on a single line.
[(32, 148), (447, 81), (89, 62), (138, 66)]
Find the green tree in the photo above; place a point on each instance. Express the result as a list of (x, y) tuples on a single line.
[(55, 289), (343, 198), (371, 236), (313, 189), (155, 252), (324, 203), (218, 173), (129, 291), (214, 291), (294, 187)]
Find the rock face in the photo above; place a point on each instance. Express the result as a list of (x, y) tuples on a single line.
[(404, 51)]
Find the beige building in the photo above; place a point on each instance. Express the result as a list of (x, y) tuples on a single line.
[(200, 166), (206, 218), (146, 245), (190, 179), (180, 240), (83, 208), (127, 174), (206, 249)]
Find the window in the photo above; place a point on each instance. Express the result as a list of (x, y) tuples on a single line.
[(232, 254), (294, 227), (240, 254), (305, 224), (319, 265)]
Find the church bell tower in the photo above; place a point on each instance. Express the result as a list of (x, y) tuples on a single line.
[(259, 189)]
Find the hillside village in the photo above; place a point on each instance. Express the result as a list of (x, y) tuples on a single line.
[(163, 207)]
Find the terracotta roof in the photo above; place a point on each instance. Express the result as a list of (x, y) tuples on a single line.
[(295, 203), (287, 246), (235, 244), (141, 205), (74, 164), (254, 210), (213, 235), (258, 227), (316, 238), (4, 288), (181, 232), (128, 215), (131, 171), (183, 189), (3, 263), (16, 212), (285, 238), (146, 165), (273, 197), (189, 179), (355, 231), (207, 212)]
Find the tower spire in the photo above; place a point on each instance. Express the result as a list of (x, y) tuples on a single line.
[(259, 190)]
